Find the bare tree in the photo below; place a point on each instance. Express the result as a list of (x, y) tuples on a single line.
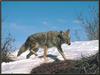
[(90, 23), (6, 48)]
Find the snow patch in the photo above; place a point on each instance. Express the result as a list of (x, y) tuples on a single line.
[(73, 52)]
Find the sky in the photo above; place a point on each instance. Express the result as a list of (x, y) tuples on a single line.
[(21, 19)]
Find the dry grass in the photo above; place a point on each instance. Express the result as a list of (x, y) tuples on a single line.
[(88, 65)]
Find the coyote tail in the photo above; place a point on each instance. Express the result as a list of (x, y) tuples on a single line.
[(22, 49)]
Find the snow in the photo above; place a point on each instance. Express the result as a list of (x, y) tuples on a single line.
[(75, 51)]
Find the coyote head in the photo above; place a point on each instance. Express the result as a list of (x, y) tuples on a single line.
[(66, 36)]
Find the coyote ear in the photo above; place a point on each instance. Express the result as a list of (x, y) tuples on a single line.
[(61, 32), (60, 35)]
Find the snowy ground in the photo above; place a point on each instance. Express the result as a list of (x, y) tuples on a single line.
[(74, 52)]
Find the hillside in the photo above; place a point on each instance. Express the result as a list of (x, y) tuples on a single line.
[(75, 51)]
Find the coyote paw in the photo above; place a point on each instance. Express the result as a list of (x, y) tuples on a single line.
[(27, 56)]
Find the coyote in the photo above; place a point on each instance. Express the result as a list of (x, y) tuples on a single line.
[(45, 40)]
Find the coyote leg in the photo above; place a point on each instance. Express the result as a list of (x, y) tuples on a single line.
[(29, 55), (45, 53), (34, 52), (61, 52)]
